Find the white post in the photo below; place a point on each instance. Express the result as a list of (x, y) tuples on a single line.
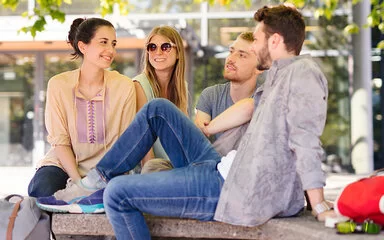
[(361, 98)]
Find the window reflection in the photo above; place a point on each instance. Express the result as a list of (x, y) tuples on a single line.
[(16, 103)]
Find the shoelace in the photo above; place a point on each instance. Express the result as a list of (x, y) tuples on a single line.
[(68, 185)]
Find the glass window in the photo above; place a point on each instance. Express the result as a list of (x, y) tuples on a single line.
[(224, 31), (208, 71), (336, 136), (125, 63), (56, 63), (378, 106), (323, 34), (16, 104)]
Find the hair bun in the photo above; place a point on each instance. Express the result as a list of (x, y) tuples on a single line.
[(73, 30)]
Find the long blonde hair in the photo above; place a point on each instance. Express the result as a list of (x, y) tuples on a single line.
[(177, 87)]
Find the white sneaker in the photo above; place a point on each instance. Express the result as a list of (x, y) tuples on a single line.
[(73, 192)]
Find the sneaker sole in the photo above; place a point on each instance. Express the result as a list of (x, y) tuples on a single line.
[(73, 208)]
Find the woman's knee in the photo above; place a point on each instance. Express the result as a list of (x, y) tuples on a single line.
[(46, 181), (38, 190), (160, 103)]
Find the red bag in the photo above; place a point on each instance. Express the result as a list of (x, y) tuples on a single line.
[(363, 199)]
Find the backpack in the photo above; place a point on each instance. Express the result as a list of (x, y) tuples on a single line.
[(22, 219), (363, 199)]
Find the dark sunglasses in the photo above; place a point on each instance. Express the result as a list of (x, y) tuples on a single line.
[(351, 227), (165, 47)]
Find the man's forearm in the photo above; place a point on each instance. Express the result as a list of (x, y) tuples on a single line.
[(236, 115)]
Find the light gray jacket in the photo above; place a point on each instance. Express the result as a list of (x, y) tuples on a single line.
[(280, 154)]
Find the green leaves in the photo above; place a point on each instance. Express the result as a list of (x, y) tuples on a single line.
[(52, 8), (381, 44), (352, 29), (44, 8), (298, 3), (38, 26), (12, 4), (381, 27), (107, 6)]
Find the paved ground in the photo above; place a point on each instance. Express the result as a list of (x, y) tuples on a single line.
[(16, 179)]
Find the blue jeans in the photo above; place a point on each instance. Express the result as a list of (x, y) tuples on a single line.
[(190, 190), (46, 181)]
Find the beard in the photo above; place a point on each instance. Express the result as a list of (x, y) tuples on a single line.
[(229, 76), (264, 59)]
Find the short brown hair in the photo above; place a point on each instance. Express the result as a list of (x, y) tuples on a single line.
[(247, 36), (287, 22)]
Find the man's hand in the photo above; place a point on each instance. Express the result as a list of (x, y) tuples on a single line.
[(202, 120), (205, 129), (330, 213)]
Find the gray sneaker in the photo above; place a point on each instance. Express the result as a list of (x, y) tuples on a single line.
[(73, 192)]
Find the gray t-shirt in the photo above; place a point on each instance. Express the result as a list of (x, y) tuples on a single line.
[(215, 100)]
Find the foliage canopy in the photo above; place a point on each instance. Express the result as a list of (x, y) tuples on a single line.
[(326, 9)]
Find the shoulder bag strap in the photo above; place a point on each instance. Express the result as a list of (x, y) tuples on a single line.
[(12, 219)]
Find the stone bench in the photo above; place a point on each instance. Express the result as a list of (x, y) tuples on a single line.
[(304, 227)]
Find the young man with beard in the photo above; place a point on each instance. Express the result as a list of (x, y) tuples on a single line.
[(278, 157), (243, 76)]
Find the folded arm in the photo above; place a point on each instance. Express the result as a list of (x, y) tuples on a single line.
[(239, 113)]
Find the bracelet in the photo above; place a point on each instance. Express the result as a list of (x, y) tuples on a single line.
[(320, 208)]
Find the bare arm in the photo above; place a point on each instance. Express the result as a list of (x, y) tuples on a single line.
[(239, 113), (141, 100), (202, 119), (67, 159)]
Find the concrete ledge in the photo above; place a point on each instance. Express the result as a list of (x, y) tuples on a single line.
[(304, 227)]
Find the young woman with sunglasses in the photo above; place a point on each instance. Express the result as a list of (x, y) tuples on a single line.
[(162, 77), (87, 109)]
